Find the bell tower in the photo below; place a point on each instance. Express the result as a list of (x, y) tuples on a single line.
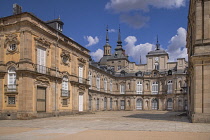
[(107, 47)]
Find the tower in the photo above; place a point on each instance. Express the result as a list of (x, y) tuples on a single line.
[(107, 47)]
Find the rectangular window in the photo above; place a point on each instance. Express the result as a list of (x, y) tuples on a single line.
[(122, 89), (110, 86), (11, 100), (41, 60), (65, 102), (98, 83), (80, 74), (90, 81), (155, 88), (139, 88)]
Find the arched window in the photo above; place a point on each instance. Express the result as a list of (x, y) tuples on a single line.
[(65, 87), (11, 79), (105, 84), (155, 88), (110, 86), (154, 104), (169, 104), (90, 79), (170, 87), (139, 87), (105, 103), (156, 65), (139, 104), (98, 83)]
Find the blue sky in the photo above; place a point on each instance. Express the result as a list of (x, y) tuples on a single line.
[(140, 21)]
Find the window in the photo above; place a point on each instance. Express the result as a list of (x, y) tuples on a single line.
[(80, 74), (90, 100), (12, 47), (110, 85), (119, 67), (41, 60), (105, 84), (110, 103), (105, 103), (155, 88), (98, 83), (65, 102), (11, 100), (169, 104), (156, 65), (11, 79), (65, 88), (170, 86), (90, 80), (154, 104), (139, 104), (139, 88), (122, 89), (97, 104)]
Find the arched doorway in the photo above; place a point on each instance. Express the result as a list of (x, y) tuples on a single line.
[(169, 104), (139, 104), (154, 104)]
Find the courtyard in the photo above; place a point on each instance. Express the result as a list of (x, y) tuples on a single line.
[(136, 125)]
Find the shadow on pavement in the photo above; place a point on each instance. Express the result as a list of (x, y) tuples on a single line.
[(168, 116)]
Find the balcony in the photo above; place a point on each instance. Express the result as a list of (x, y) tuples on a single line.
[(65, 93), (11, 88), (42, 69), (82, 80)]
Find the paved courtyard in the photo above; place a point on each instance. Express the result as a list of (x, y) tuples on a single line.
[(110, 125)]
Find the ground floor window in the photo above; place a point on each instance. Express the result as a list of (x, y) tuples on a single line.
[(122, 104), (169, 104), (154, 104), (110, 103), (97, 104), (65, 102), (105, 103), (139, 104), (11, 100), (90, 99)]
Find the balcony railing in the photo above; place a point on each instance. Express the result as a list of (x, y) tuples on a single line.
[(11, 88), (82, 80), (42, 69), (65, 93)]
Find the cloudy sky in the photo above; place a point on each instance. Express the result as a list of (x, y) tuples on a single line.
[(140, 21)]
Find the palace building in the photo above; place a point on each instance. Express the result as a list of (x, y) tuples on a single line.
[(198, 48), (45, 73)]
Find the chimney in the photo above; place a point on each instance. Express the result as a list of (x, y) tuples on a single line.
[(17, 9)]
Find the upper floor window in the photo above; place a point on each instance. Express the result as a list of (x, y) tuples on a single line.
[(139, 88), (155, 88), (156, 65), (122, 89), (98, 83), (11, 79), (170, 87), (41, 60), (90, 79), (110, 85), (119, 67), (65, 87), (80, 74), (105, 84)]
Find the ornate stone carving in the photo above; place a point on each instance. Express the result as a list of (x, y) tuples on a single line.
[(82, 60), (11, 43), (42, 42), (65, 57)]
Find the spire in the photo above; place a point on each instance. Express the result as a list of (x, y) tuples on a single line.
[(119, 42), (107, 36), (157, 44)]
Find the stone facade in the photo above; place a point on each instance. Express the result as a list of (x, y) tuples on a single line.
[(39, 69), (44, 73), (198, 45)]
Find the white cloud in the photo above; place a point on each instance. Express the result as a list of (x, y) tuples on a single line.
[(91, 40), (97, 54), (176, 47), (126, 8), (142, 5), (112, 30), (135, 51), (136, 20)]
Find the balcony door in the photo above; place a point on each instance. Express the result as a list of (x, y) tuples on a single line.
[(80, 74), (41, 60)]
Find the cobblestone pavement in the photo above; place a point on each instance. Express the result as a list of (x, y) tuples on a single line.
[(125, 121)]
